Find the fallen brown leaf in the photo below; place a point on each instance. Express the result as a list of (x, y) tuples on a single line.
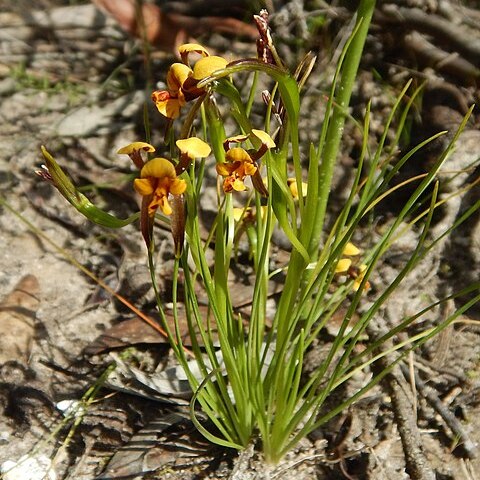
[(169, 30), (135, 331), (17, 320)]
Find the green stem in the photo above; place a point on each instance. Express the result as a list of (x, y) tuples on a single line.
[(335, 128)]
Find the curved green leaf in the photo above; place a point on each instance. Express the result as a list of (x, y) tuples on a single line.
[(55, 175)]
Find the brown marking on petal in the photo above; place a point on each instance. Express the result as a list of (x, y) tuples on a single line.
[(226, 168), (160, 95), (233, 140), (228, 184), (190, 90)]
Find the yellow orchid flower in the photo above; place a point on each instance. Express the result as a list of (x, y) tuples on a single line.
[(240, 163), (182, 80), (157, 181), (347, 267), (292, 185), (358, 276)]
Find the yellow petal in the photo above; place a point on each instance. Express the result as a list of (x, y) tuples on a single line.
[(135, 147), (162, 202), (237, 154), (238, 213), (236, 139), (225, 169), (238, 185), (194, 147), (187, 48), (169, 108), (356, 285), (361, 275), (343, 265), (165, 206), (158, 168), (176, 76), (208, 65), (264, 137), (351, 250), (249, 168), (292, 185), (357, 282), (178, 186), (143, 186)]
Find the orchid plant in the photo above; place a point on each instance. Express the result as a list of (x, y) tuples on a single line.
[(246, 372)]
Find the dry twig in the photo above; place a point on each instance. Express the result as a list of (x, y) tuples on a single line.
[(448, 417), (417, 465)]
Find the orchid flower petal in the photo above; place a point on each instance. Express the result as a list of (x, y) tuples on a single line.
[(187, 48), (158, 168), (194, 147), (264, 137), (135, 147), (351, 250), (207, 66), (343, 265)]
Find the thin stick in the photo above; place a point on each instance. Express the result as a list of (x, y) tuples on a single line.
[(417, 465), (448, 417)]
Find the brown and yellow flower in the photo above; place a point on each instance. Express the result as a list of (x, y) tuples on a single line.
[(157, 181), (346, 266), (350, 250), (358, 274), (293, 186), (182, 80), (240, 163), (249, 214), (237, 166)]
